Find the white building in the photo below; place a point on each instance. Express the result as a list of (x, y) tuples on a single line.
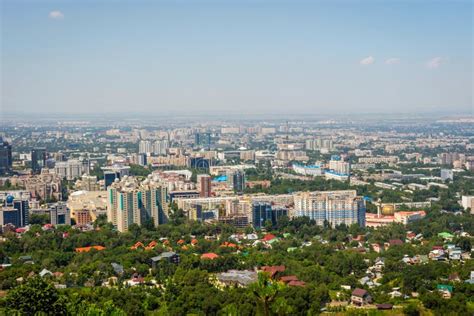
[(334, 207), (467, 201), (144, 147), (70, 169)]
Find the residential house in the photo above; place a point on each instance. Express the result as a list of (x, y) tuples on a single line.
[(360, 297)]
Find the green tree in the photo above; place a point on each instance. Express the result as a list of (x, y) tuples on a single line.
[(33, 297), (265, 292)]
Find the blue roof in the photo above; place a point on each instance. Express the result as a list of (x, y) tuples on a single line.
[(222, 178), (336, 173)]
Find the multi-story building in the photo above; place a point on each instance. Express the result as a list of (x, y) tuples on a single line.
[(237, 180), (5, 157), (204, 185), (379, 159), (145, 147), (202, 140), (89, 183), (447, 174), (60, 214), (160, 147), (45, 186), (38, 159), (333, 207), (70, 169), (339, 166), (263, 211), (318, 144), (14, 212), (467, 202), (9, 216), (131, 201)]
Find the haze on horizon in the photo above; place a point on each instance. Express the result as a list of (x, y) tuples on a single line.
[(247, 56)]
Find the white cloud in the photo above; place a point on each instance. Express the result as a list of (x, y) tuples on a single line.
[(367, 60), (392, 61), (434, 62), (56, 15)]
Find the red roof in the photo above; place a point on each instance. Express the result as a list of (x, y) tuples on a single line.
[(296, 283), (273, 269), (209, 255), (268, 237), (289, 278), (87, 249), (229, 244), (394, 242), (359, 292)]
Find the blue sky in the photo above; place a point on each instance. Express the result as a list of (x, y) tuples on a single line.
[(229, 56)]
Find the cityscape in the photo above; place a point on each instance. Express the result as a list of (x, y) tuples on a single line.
[(117, 204)]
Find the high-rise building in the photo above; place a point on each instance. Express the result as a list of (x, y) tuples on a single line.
[(38, 159), (204, 185), (20, 218), (141, 159), (5, 157), (202, 140), (339, 166), (447, 174), (263, 211), (199, 163), (70, 169), (160, 147), (144, 147), (237, 180), (131, 201), (109, 177), (333, 207), (60, 214), (9, 215), (23, 211), (89, 183)]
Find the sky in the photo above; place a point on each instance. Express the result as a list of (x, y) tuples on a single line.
[(228, 56)]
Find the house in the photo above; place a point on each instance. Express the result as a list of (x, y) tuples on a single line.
[(379, 264), (360, 297), (455, 253), (471, 279), (288, 278), (252, 236), (209, 255), (239, 278), (45, 272), (268, 237), (87, 249), (297, 283), (446, 235), (454, 277), (26, 259), (170, 256), (445, 290), (273, 270), (395, 293), (376, 247), (135, 280)]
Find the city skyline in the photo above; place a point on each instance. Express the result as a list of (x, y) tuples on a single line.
[(248, 57)]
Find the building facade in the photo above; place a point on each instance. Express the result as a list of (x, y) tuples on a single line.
[(5, 157), (332, 207), (131, 201)]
